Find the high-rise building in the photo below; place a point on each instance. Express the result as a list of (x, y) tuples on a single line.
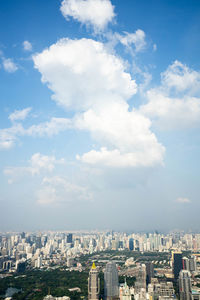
[(131, 244), (192, 264), (121, 244), (149, 271), (185, 263), (111, 282), (38, 242), (189, 263), (185, 287), (69, 238), (140, 278), (115, 244), (93, 284), (177, 264)]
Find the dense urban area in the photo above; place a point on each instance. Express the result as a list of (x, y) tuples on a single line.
[(99, 265)]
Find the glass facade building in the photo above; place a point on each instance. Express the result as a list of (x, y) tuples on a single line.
[(111, 282)]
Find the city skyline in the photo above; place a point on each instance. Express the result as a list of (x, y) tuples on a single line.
[(99, 119), (100, 265)]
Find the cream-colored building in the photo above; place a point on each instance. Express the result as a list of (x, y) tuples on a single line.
[(93, 284), (124, 292)]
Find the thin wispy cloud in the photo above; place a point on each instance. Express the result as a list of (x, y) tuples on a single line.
[(9, 136), (58, 190), (19, 114), (183, 200), (136, 39), (37, 164)]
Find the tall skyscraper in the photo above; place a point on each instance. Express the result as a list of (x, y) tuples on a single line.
[(189, 263), (149, 271), (177, 264), (69, 238), (185, 263), (141, 278), (93, 284), (192, 264), (185, 287), (111, 282), (131, 244)]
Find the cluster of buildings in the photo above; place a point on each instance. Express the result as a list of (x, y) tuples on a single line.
[(112, 289), (53, 249), (46, 249), (184, 269), (111, 283), (147, 286)]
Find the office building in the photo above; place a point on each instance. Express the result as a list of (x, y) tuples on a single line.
[(69, 238), (177, 264), (189, 263), (185, 287), (131, 244), (192, 264), (149, 271), (141, 278), (186, 263), (111, 282)]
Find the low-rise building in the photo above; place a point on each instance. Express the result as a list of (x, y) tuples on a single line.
[(49, 297)]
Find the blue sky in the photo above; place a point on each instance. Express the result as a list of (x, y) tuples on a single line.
[(100, 114)]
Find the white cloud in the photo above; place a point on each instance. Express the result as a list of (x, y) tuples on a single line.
[(176, 103), (113, 158), (181, 78), (40, 162), (27, 46), (6, 143), (56, 190), (80, 83), (49, 128), (8, 136), (98, 88), (9, 66), (137, 39), (20, 114), (7, 139), (126, 134), (172, 113), (183, 200), (97, 13), (37, 164)]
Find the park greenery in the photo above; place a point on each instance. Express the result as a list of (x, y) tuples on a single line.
[(36, 284)]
